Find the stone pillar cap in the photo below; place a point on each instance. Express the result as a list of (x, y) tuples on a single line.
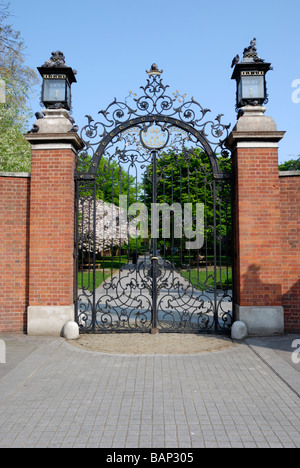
[(254, 125), (253, 119), (54, 126), (54, 121)]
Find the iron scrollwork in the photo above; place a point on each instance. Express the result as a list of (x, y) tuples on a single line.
[(154, 106), (187, 294)]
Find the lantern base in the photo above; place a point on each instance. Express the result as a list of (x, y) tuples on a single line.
[(254, 120), (55, 121)]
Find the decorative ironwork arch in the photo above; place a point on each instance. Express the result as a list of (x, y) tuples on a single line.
[(154, 107)]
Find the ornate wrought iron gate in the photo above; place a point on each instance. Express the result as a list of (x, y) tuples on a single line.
[(153, 201)]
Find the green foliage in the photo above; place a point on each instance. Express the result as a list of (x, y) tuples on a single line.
[(15, 152), (104, 270), (291, 165), (203, 278), (17, 81), (187, 178), (113, 180), (134, 245)]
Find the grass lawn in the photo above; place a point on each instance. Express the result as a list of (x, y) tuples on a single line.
[(199, 277), (85, 278), (108, 267)]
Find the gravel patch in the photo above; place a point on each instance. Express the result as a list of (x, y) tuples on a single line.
[(144, 343)]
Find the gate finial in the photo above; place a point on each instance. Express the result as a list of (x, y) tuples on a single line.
[(154, 70)]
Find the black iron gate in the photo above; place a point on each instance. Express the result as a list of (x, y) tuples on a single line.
[(153, 203)]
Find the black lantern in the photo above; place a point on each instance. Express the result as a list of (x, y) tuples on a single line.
[(250, 75), (57, 80)]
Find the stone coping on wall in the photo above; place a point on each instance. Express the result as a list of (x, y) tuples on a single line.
[(289, 173), (252, 139), (15, 174)]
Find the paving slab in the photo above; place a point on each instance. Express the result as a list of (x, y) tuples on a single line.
[(56, 394)]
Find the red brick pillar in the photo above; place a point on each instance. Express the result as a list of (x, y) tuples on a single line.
[(257, 227), (51, 260)]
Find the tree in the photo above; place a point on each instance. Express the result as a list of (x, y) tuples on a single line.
[(17, 81), (112, 179), (109, 232), (113, 227), (187, 178), (291, 165)]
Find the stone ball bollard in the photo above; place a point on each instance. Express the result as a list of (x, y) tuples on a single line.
[(70, 331), (239, 331)]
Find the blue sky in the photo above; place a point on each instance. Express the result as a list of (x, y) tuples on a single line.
[(112, 43)]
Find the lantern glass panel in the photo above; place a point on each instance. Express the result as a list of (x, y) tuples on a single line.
[(54, 90), (253, 87)]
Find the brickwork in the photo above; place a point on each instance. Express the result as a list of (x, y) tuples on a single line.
[(14, 220), (290, 245), (52, 227), (258, 237)]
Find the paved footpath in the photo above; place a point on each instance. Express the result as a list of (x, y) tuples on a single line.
[(53, 394)]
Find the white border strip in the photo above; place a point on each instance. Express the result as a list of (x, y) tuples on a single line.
[(256, 144)]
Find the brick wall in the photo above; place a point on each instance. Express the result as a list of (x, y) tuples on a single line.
[(52, 227), (290, 245), (14, 222), (257, 207)]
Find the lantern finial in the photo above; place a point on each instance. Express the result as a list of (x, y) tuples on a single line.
[(250, 53)]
